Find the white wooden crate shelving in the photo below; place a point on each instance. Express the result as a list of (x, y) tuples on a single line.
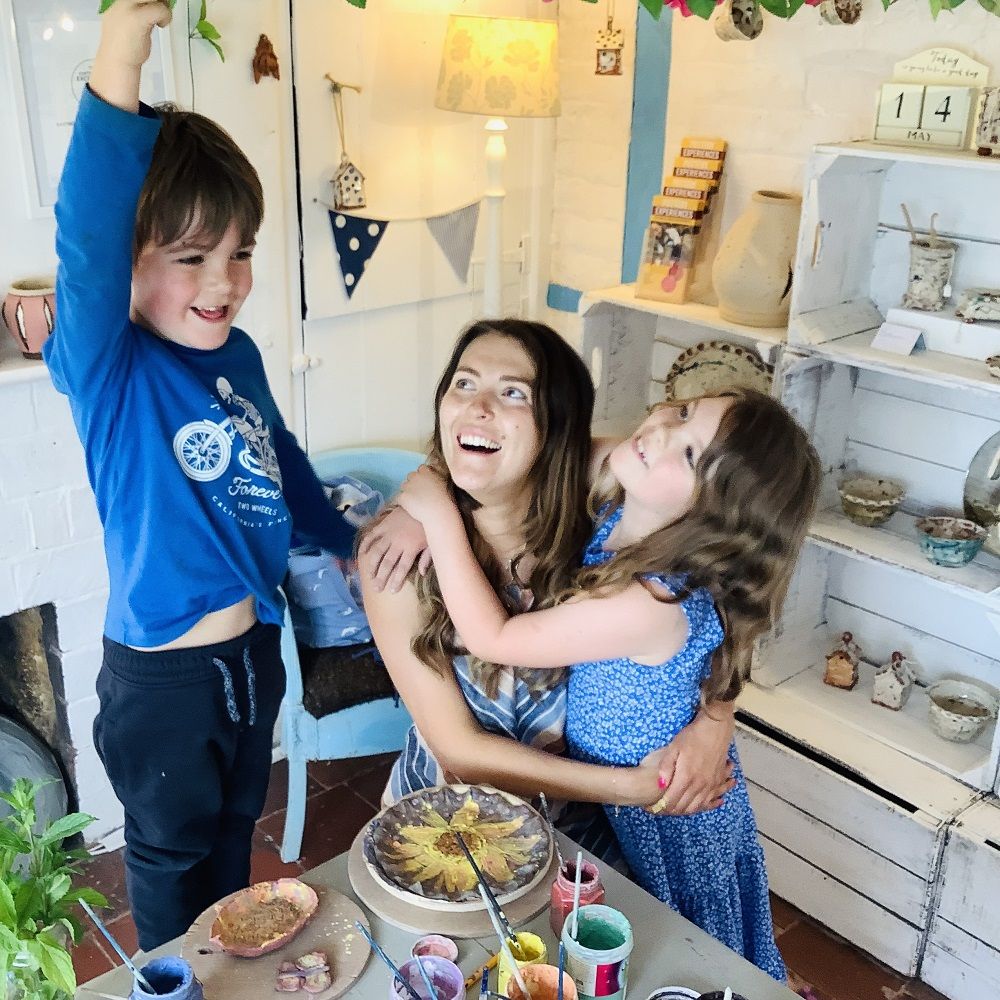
[(865, 814)]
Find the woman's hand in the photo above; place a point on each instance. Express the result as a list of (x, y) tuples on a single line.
[(694, 767), (425, 495), (391, 548)]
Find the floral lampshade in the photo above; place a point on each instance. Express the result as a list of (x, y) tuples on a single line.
[(504, 67)]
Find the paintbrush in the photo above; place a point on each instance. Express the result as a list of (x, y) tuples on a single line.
[(390, 965), (432, 993), (129, 964), (576, 892), (504, 947), (484, 986), (491, 900), (484, 968), (560, 967), (552, 829)]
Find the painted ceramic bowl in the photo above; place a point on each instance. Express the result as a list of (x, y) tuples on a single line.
[(993, 365), (960, 710), (720, 995), (446, 978), (950, 541), (263, 917), (869, 501), (673, 993), (412, 850)]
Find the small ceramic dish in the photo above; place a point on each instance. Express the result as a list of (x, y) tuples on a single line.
[(263, 917), (993, 365), (436, 945), (869, 501), (959, 710), (950, 541)]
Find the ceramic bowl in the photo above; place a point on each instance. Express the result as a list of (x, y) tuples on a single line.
[(993, 365), (259, 919), (869, 501), (960, 710), (950, 541)]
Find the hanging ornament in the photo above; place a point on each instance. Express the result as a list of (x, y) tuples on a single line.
[(348, 182), (738, 20), (610, 42), (839, 12), (265, 61)]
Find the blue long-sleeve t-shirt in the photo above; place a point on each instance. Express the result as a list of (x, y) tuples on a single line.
[(197, 480)]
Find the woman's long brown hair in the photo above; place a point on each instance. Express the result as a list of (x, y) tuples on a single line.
[(756, 487), (556, 526)]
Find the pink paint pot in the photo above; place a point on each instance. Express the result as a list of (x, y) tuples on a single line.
[(445, 976), (435, 946)]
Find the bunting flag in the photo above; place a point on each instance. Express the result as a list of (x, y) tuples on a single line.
[(455, 233), (356, 239)]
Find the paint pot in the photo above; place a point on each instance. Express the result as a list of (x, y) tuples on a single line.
[(445, 976), (529, 950), (435, 946), (543, 984), (561, 897), (597, 958), (171, 977)]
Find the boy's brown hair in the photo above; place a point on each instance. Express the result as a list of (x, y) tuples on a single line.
[(198, 177)]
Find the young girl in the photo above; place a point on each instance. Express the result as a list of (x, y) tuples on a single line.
[(701, 515)]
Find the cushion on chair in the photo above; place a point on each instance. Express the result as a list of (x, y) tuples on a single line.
[(341, 677)]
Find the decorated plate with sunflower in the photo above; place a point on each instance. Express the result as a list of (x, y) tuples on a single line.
[(412, 850)]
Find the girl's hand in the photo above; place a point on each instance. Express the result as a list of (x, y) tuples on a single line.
[(390, 549), (695, 768), (425, 495)]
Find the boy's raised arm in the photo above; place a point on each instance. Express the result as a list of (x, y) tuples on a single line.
[(106, 165)]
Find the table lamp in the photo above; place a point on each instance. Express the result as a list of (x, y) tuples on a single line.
[(503, 67)]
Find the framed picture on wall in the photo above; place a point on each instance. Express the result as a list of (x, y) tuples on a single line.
[(50, 49)]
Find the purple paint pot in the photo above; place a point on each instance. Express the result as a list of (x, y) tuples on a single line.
[(445, 976), (172, 978), (435, 946)]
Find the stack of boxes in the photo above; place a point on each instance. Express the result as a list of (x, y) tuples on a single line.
[(678, 216)]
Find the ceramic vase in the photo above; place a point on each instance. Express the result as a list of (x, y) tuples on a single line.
[(752, 272), (738, 20), (930, 274), (839, 12), (29, 311)]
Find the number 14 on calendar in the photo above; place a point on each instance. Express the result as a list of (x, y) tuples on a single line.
[(919, 115)]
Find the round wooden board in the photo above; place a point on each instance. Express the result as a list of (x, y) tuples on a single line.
[(419, 920), (331, 929)]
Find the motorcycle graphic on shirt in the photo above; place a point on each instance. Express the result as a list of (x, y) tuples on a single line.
[(204, 447)]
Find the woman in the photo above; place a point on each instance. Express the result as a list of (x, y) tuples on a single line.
[(512, 429)]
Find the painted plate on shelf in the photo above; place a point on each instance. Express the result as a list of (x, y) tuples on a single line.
[(412, 850), (714, 366)]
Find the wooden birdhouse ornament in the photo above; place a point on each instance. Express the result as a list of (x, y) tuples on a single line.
[(893, 682), (610, 42), (348, 182), (842, 663)]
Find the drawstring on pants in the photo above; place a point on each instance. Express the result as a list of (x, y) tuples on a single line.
[(227, 681)]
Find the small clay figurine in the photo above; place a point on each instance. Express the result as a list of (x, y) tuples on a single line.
[(265, 61), (842, 663), (310, 973), (893, 682)]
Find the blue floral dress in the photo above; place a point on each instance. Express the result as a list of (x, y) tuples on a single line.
[(709, 866)]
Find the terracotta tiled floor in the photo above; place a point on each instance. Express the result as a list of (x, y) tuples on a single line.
[(344, 794)]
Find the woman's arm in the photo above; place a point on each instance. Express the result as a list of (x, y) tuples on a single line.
[(462, 747)]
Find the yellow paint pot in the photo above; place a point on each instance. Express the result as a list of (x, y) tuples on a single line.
[(529, 950)]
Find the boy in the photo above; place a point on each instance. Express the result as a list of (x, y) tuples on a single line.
[(197, 480)]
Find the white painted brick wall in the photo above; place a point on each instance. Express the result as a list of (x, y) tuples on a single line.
[(50, 537)]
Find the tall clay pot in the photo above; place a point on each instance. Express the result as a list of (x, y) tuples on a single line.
[(752, 272), (29, 312)]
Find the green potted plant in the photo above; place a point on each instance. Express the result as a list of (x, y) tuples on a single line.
[(37, 926)]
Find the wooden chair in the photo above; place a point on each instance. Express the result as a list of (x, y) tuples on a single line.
[(357, 718)]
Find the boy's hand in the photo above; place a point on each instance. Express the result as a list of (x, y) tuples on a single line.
[(425, 495), (390, 549), (126, 41)]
